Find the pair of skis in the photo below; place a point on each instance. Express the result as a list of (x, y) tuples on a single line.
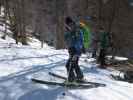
[(81, 84)]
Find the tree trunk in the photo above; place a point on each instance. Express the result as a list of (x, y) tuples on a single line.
[(60, 13), (5, 19), (23, 34)]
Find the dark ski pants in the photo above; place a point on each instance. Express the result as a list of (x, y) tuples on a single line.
[(73, 69), (101, 58)]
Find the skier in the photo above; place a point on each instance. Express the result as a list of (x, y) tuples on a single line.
[(86, 34), (104, 44), (89, 39), (74, 42)]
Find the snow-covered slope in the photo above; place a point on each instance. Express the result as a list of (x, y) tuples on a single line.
[(20, 63)]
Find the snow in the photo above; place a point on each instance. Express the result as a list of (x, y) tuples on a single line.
[(2, 29), (119, 58), (18, 64), (2, 12)]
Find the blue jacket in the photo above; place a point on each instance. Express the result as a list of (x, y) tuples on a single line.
[(74, 40)]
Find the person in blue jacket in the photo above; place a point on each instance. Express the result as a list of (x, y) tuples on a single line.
[(74, 43)]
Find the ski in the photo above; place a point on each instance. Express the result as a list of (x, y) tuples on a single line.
[(81, 82), (118, 78), (68, 85), (58, 76)]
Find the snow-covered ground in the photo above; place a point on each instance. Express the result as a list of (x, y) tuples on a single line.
[(18, 64)]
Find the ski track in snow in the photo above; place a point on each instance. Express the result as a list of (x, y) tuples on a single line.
[(20, 63)]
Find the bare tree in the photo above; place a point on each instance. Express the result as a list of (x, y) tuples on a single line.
[(22, 23), (60, 14), (5, 3), (17, 20), (0, 6)]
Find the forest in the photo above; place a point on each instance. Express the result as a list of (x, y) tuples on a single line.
[(45, 20), (66, 49)]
